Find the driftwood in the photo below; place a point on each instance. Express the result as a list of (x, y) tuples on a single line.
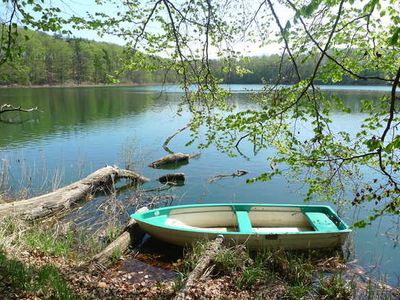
[(172, 178), (8, 108), (174, 158), (168, 139), (202, 265), (129, 236), (64, 198), (238, 173)]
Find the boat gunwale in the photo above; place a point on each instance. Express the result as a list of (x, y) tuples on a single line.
[(139, 217)]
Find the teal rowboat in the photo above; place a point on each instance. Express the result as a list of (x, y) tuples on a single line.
[(256, 225)]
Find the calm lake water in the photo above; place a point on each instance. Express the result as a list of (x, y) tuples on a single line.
[(82, 129)]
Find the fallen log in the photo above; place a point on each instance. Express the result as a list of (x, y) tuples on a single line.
[(172, 178), (174, 158), (202, 265), (238, 173), (64, 198), (129, 236)]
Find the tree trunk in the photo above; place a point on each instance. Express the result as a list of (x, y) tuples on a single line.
[(204, 262), (64, 198), (131, 235)]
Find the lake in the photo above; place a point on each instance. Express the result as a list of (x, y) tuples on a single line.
[(82, 129)]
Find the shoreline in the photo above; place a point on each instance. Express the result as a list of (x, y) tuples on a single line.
[(323, 87), (84, 85)]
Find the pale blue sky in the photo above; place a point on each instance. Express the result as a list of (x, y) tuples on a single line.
[(81, 9)]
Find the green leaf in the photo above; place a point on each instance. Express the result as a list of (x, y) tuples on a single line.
[(395, 37)]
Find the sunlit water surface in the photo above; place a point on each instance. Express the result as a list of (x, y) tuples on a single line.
[(82, 129)]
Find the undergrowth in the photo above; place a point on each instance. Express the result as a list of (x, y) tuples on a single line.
[(297, 271), (19, 280)]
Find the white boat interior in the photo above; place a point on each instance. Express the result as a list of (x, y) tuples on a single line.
[(256, 220)]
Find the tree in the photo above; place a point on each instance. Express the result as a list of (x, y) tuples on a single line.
[(37, 15), (336, 39)]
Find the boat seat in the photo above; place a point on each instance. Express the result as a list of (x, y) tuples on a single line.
[(244, 222), (321, 222)]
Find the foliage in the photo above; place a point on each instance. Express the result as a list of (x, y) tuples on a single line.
[(55, 60), (22, 280), (38, 15), (336, 39)]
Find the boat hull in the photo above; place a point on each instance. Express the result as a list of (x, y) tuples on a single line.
[(255, 225), (252, 241)]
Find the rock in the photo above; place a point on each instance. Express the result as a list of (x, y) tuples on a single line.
[(102, 285)]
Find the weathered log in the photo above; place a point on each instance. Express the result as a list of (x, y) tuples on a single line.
[(129, 236), (208, 256), (174, 158), (238, 173), (64, 198), (174, 178)]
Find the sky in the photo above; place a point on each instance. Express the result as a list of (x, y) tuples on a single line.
[(81, 8)]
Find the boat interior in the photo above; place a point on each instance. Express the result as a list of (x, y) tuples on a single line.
[(262, 220)]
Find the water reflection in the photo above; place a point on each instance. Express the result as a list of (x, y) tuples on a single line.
[(83, 129)]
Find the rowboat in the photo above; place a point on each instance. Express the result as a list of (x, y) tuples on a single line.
[(255, 225)]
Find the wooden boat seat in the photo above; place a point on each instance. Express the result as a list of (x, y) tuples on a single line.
[(321, 222)]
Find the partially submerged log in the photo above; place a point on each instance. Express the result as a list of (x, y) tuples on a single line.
[(64, 198), (129, 236), (172, 178), (9, 108), (238, 173), (169, 159), (209, 255), (168, 139)]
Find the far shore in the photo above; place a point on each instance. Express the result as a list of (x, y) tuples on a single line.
[(74, 85), (231, 86)]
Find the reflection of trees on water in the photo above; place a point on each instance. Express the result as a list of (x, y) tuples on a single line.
[(64, 109)]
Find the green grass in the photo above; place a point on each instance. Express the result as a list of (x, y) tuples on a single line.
[(295, 270), (49, 242), (24, 281), (336, 287), (232, 260), (299, 291), (74, 244), (295, 267), (250, 276), (116, 255)]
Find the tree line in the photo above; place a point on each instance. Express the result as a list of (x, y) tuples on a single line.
[(56, 60)]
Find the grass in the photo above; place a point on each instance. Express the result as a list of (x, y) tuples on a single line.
[(116, 255), (73, 243), (49, 242), (335, 287), (50, 239), (26, 281), (296, 271)]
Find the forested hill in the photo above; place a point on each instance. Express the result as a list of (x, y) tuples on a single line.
[(55, 60)]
